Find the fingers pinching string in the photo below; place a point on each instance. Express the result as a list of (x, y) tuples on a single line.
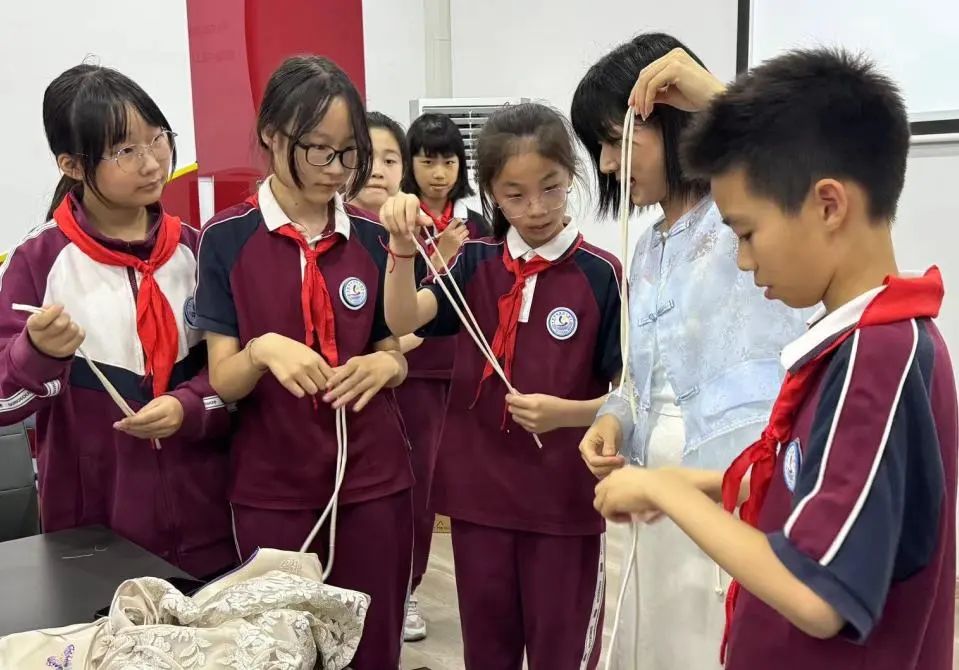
[(466, 316)]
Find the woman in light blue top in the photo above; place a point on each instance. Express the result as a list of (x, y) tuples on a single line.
[(704, 354)]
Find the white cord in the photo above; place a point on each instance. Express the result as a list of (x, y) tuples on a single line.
[(333, 506), (625, 204), (110, 388), (472, 326), (629, 572), (631, 569)]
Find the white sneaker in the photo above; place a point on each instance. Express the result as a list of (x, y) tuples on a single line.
[(414, 628)]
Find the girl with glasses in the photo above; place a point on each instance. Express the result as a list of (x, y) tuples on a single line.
[(112, 273), (527, 544), (290, 296)]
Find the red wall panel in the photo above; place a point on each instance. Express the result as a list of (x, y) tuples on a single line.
[(234, 47)]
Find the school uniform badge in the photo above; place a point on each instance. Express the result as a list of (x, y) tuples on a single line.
[(562, 323), (189, 312), (792, 462), (353, 292)]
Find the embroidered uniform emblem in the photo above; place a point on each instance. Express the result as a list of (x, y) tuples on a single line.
[(562, 323), (353, 293), (792, 462)]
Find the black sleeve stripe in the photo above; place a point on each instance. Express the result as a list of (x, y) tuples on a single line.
[(475, 253), (229, 235), (603, 278), (599, 271), (478, 225), (372, 236), (221, 242)]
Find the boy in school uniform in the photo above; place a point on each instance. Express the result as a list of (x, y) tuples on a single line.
[(846, 544)]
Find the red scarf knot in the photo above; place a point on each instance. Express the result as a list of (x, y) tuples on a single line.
[(156, 325), (901, 299)]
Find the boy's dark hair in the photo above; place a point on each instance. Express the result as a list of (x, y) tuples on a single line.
[(437, 135), (804, 116), (380, 120), (297, 98), (86, 111), (508, 132), (599, 105)]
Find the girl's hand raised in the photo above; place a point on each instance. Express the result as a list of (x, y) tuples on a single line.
[(401, 216), (676, 80)]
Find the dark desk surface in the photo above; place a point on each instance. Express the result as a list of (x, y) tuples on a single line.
[(64, 578)]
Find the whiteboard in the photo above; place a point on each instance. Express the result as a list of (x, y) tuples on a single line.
[(913, 41)]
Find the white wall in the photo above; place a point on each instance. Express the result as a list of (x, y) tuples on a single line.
[(923, 32), (394, 51), (540, 49), (38, 41), (926, 231)]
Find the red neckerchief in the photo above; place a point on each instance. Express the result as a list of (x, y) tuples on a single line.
[(901, 299), (318, 319), (509, 306), (156, 324), (440, 223)]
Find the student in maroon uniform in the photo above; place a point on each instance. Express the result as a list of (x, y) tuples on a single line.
[(112, 272), (846, 547), (290, 295), (438, 176), (528, 546), (390, 160)]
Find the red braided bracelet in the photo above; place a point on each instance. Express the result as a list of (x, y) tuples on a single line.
[(393, 255)]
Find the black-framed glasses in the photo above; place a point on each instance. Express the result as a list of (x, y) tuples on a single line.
[(130, 158), (552, 199), (321, 155)]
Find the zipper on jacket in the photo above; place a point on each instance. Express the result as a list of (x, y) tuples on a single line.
[(165, 500)]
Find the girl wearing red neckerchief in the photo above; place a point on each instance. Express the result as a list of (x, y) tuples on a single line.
[(290, 296), (527, 546), (439, 177), (113, 271), (437, 173)]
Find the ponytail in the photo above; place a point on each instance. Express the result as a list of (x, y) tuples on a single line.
[(64, 186)]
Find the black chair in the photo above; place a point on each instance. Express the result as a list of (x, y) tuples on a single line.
[(19, 510)]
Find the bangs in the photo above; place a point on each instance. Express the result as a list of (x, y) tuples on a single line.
[(443, 146), (599, 103), (436, 135), (306, 111), (597, 114), (298, 97), (102, 113)]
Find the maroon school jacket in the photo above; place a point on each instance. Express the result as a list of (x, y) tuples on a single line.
[(171, 502)]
